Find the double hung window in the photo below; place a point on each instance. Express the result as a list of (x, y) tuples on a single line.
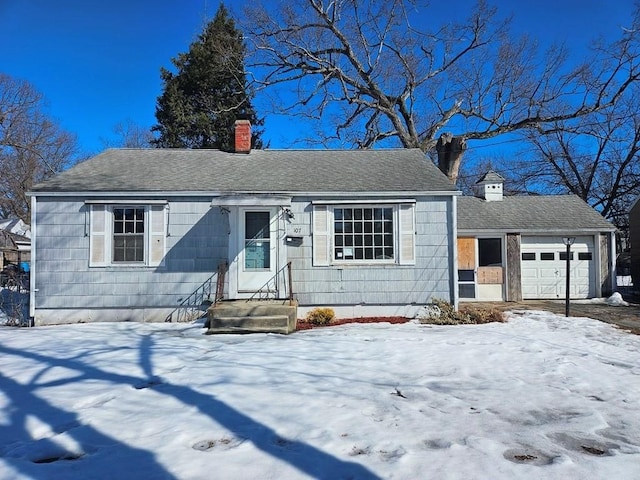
[(127, 234)]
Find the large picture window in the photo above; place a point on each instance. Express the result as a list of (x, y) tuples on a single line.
[(363, 233)]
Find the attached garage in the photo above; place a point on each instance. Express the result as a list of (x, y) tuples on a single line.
[(544, 267), (521, 238)]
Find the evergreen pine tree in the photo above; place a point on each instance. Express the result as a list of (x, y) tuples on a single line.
[(208, 92)]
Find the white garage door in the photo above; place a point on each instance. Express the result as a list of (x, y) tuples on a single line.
[(543, 261)]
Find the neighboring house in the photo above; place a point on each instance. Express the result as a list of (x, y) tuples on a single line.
[(634, 240), (17, 226), (130, 233), (15, 244), (511, 247)]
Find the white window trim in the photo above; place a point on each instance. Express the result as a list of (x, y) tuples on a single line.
[(324, 233), (368, 203), (101, 234), (128, 203)]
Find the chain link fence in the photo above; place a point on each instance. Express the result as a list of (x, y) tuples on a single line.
[(14, 298)]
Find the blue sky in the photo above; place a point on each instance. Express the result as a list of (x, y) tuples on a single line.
[(97, 62)]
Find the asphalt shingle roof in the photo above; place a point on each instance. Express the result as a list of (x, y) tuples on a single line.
[(288, 171), (9, 239), (491, 177), (545, 213)]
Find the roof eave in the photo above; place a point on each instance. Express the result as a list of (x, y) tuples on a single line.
[(168, 193), (545, 232)]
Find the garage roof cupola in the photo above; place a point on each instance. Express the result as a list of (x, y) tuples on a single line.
[(489, 187)]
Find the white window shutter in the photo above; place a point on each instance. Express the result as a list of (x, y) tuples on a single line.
[(157, 235), (407, 241), (321, 236), (98, 236)]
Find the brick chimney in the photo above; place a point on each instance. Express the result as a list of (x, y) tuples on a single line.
[(243, 136)]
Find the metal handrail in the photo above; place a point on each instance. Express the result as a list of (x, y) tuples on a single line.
[(222, 270), (263, 293), (195, 300)]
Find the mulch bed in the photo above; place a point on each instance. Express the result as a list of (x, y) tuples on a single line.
[(304, 325)]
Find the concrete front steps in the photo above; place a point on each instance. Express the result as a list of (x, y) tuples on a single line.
[(255, 316)]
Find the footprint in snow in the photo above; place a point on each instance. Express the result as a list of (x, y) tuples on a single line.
[(221, 444), (529, 456), (392, 455), (586, 445)]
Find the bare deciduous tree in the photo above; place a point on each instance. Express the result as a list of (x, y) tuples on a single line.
[(376, 70), (596, 158), (32, 146), (129, 135)]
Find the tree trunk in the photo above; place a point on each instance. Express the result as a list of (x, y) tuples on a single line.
[(450, 151)]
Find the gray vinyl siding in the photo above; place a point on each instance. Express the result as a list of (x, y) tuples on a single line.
[(372, 284), (196, 243)]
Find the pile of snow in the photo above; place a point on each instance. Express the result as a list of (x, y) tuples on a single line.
[(541, 396), (617, 301), (614, 300)]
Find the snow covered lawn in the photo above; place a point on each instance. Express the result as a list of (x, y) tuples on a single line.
[(540, 396)]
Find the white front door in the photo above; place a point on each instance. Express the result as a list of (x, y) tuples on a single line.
[(258, 246)]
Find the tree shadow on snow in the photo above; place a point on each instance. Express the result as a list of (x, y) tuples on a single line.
[(304, 457), (60, 445)]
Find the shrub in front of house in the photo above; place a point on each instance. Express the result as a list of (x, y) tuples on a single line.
[(443, 313), (321, 316)]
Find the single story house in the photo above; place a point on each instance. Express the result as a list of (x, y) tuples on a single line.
[(512, 248), (130, 233)]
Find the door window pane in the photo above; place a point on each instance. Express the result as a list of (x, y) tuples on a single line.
[(467, 290), (257, 249), (489, 252), (466, 275), (257, 225)]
